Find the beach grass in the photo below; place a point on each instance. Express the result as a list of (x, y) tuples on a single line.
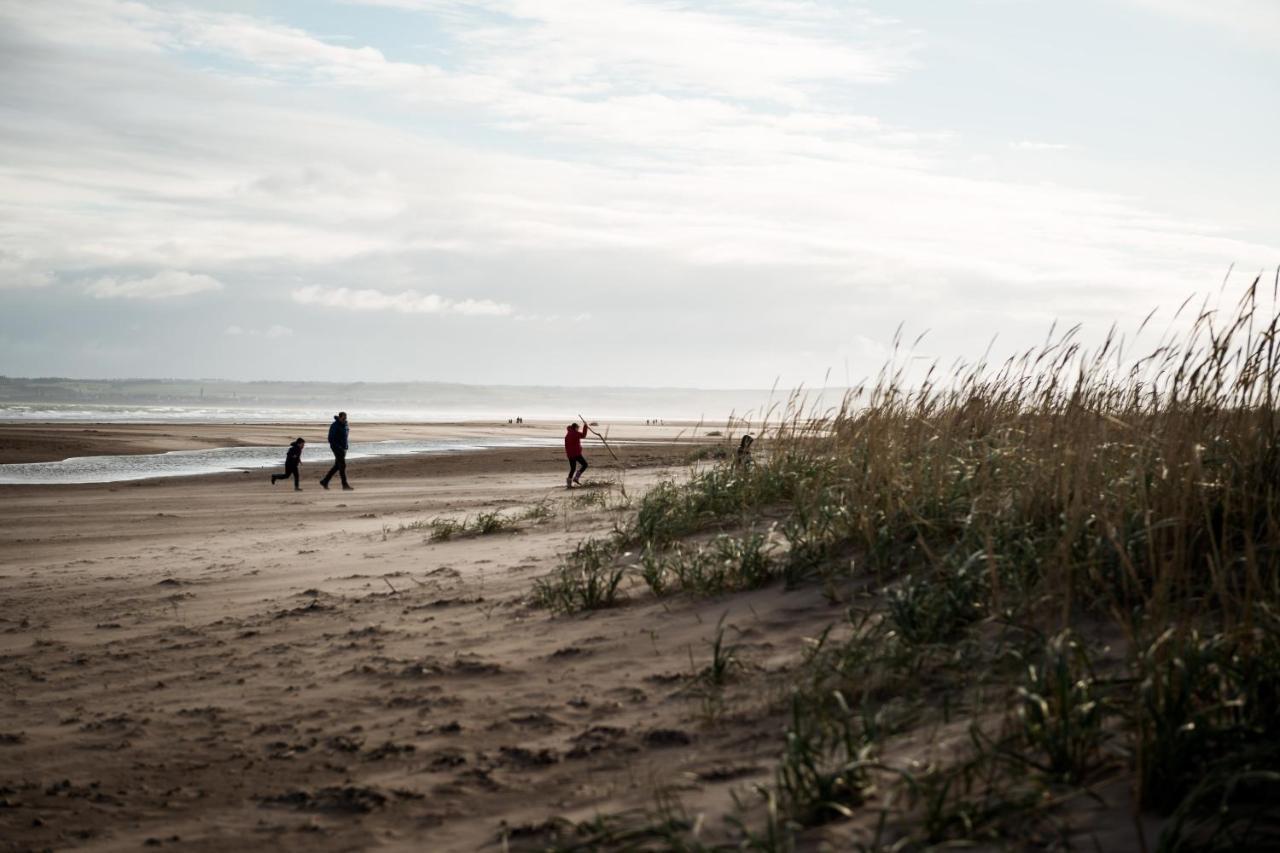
[(485, 523), (1067, 573)]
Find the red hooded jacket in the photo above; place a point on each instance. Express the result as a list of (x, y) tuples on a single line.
[(573, 441)]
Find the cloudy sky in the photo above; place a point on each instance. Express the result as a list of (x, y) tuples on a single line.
[(637, 192)]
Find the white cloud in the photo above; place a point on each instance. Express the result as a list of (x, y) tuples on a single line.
[(1033, 145), (272, 174), (17, 271), (752, 52), (404, 302), (480, 308), (162, 285)]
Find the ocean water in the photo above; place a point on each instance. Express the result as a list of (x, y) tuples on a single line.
[(222, 414), (183, 463)]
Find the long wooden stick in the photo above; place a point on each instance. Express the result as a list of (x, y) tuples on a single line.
[(602, 439)]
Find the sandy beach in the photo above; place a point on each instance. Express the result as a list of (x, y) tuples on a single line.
[(211, 663), (930, 352)]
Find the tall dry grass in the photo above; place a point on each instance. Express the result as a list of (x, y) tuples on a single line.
[(1147, 487), (1062, 497)]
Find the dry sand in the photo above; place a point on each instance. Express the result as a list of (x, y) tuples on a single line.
[(210, 663)]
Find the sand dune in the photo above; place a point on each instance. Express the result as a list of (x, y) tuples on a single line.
[(213, 664)]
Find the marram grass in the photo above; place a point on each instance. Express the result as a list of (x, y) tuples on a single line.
[(1078, 552)]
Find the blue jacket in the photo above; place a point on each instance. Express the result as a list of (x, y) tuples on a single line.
[(338, 435)]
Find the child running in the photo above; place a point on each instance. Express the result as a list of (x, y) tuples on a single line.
[(573, 449), (292, 462)]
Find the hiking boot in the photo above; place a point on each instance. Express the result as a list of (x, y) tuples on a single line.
[(324, 484), (347, 488)]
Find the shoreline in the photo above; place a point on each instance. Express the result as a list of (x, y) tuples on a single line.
[(490, 461), (31, 442)]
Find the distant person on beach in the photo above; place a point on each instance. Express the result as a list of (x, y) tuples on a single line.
[(292, 462), (338, 433), (573, 449), (743, 456)]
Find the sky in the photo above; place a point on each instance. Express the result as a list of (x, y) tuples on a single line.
[(613, 192)]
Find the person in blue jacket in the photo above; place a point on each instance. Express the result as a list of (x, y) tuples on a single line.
[(338, 432)]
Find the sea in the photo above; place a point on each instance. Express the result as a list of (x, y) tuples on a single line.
[(258, 414), (185, 463)]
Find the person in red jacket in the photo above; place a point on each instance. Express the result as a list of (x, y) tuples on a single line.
[(573, 449)]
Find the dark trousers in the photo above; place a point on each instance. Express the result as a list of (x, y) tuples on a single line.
[(289, 471), (339, 466), (574, 464)]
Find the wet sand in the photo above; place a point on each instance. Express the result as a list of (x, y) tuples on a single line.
[(49, 442), (211, 663)]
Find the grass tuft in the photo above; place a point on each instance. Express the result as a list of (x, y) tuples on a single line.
[(587, 579)]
